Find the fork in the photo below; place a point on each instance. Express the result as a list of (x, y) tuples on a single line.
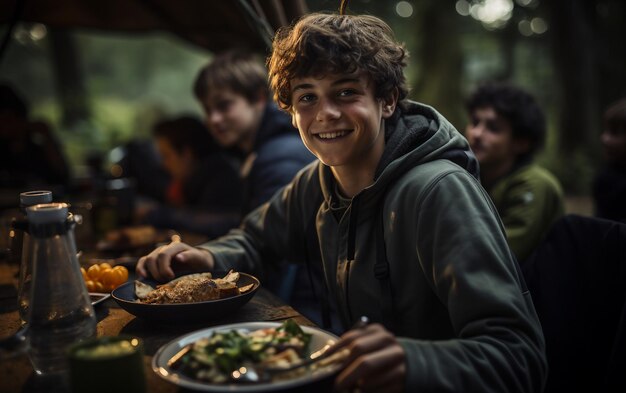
[(266, 374), (320, 358)]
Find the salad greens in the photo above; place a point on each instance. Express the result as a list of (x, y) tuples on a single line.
[(213, 359)]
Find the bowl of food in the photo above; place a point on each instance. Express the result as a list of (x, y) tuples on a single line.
[(211, 360), (188, 298)]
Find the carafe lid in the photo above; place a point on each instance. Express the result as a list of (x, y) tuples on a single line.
[(31, 198), (47, 213)]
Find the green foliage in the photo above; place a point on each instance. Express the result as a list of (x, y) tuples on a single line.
[(132, 81), (574, 170)]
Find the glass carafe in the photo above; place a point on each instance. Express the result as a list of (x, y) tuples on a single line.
[(60, 311), (22, 243)]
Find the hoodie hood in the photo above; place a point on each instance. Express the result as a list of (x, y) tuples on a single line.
[(415, 134)]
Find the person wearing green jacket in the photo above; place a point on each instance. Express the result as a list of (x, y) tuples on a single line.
[(506, 129), (404, 231)]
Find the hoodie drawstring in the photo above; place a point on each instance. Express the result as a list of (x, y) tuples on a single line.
[(352, 227), (381, 270), (381, 267)]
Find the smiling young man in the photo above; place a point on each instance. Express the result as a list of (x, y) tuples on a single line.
[(406, 234), (506, 129), (341, 123)]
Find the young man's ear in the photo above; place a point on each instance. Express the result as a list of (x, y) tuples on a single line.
[(389, 103)]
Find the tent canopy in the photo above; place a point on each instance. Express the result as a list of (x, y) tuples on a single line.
[(213, 25)]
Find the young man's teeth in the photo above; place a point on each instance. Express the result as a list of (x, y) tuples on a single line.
[(331, 135)]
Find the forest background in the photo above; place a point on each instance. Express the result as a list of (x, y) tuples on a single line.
[(100, 89)]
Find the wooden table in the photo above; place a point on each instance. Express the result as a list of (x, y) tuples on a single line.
[(16, 374)]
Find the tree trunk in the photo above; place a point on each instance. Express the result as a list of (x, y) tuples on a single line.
[(69, 80), (610, 48), (440, 60), (508, 41), (575, 66)]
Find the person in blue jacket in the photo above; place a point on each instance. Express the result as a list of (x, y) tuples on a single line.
[(234, 94), (239, 111)]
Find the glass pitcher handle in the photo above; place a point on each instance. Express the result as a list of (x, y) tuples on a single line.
[(14, 345)]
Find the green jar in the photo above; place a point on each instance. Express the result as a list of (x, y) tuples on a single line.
[(107, 364)]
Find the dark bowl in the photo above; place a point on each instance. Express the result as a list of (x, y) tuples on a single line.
[(124, 295)]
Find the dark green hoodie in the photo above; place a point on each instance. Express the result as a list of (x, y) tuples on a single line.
[(459, 305)]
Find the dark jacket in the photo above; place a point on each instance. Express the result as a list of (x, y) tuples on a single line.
[(461, 310), (578, 280), (280, 154), (529, 200), (609, 193), (213, 197)]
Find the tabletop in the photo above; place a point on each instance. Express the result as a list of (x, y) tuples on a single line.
[(16, 374)]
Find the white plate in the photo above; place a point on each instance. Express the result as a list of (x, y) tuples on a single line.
[(319, 338), (97, 297)]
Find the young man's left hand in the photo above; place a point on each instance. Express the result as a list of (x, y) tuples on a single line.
[(376, 362)]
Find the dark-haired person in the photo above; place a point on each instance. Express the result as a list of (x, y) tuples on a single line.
[(205, 192), (506, 128), (407, 235), (30, 154), (609, 186)]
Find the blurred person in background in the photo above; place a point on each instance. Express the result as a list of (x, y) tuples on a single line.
[(239, 111), (139, 160), (30, 154), (205, 192), (506, 129), (609, 186), (240, 114)]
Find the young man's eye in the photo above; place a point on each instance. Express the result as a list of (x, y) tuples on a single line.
[(222, 106), (492, 126), (347, 93), (306, 98)]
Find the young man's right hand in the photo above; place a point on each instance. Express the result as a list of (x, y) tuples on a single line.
[(376, 363), (161, 262)]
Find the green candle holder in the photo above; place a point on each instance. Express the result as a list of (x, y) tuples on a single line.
[(107, 364)]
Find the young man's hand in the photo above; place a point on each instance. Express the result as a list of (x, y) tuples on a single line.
[(376, 362), (161, 262)]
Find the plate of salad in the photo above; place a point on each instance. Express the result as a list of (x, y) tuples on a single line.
[(205, 360)]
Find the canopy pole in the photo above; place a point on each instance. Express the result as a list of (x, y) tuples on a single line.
[(259, 22)]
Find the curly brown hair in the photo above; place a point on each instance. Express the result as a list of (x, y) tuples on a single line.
[(319, 44)]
